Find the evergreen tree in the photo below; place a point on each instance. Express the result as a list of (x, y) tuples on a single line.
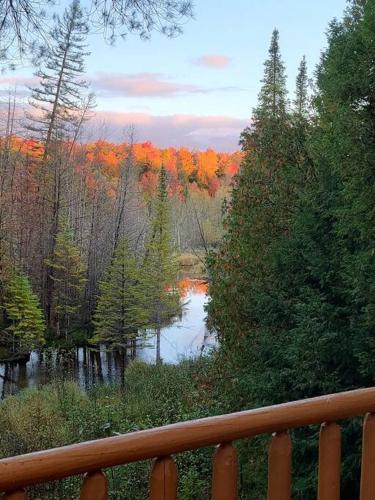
[(157, 290), (326, 266), (301, 94), (248, 306), (270, 115), (69, 281), (259, 210), (116, 319), (336, 221), (273, 95), (4, 272), (25, 330), (58, 99), (304, 324)]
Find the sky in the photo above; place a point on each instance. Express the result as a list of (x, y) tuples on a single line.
[(197, 90)]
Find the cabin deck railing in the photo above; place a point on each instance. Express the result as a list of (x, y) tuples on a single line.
[(91, 457)]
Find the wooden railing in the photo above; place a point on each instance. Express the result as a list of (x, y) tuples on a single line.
[(91, 457)]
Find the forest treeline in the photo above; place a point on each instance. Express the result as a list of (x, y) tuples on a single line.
[(89, 230), (298, 256), (101, 162)]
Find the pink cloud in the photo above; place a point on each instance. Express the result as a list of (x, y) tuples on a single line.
[(213, 61), (110, 85), (145, 85), (16, 81), (16, 85), (193, 131), (138, 85)]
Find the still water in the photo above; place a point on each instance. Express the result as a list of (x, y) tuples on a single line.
[(187, 336)]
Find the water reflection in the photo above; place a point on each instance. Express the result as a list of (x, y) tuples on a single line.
[(187, 336)]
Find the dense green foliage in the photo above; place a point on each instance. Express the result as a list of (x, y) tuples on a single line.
[(116, 317), (298, 256), (22, 316), (67, 273)]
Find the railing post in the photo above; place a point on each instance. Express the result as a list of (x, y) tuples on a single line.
[(163, 482), (94, 487), (368, 459), (329, 462), (15, 495), (224, 474), (280, 467)]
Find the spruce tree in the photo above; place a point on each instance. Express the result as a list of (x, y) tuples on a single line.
[(273, 100), (301, 94), (116, 319), (68, 275), (26, 326), (325, 267), (332, 244), (247, 305), (258, 212), (5, 268), (158, 297)]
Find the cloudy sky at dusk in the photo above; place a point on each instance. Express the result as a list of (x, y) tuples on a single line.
[(198, 89)]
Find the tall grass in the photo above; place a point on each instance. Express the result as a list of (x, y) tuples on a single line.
[(61, 413)]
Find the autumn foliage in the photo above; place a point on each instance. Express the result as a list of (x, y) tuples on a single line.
[(201, 170), (206, 170)]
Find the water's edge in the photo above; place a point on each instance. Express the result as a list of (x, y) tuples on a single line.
[(186, 337)]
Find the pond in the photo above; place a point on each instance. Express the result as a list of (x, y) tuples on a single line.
[(187, 336)]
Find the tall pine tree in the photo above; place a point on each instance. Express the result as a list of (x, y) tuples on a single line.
[(157, 290), (59, 97), (116, 319), (68, 275), (258, 212), (247, 305), (301, 95), (273, 95)]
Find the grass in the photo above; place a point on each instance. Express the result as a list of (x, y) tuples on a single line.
[(153, 395), (61, 413)]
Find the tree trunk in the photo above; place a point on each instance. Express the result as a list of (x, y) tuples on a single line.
[(158, 357)]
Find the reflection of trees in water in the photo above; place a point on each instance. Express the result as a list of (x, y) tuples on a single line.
[(191, 285), (86, 365), (4, 380)]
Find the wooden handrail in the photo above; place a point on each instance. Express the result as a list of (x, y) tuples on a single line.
[(18, 472)]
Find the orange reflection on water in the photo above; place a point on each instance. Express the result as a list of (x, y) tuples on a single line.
[(191, 285)]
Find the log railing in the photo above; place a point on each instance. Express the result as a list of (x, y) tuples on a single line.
[(91, 457)]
